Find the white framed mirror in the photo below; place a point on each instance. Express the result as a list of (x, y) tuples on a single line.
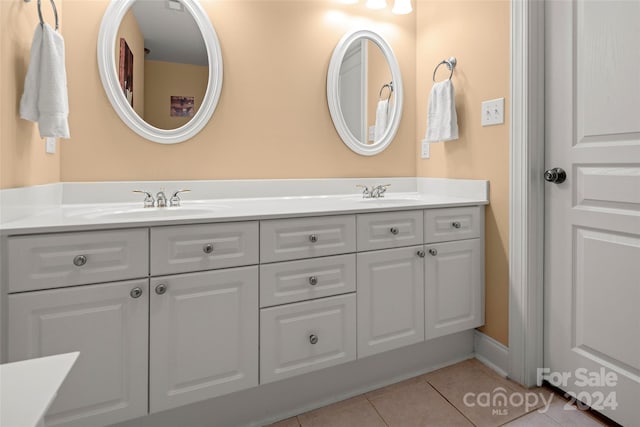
[(160, 64), (365, 92)]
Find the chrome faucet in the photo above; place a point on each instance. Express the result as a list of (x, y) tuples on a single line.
[(149, 201), (175, 199), (374, 192), (161, 199)]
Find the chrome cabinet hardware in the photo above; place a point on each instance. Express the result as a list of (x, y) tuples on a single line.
[(149, 201), (394, 230), (313, 280), (555, 175), (136, 292), (433, 252), (421, 253), (208, 248), (79, 260), (313, 238), (161, 289), (456, 224), (313, 339), (174, 201)]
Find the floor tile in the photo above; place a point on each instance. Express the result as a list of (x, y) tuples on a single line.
[(289, 422), (570, 416), (533, 419), (356, 411), (415, 404), (475, 391), (393, 387)]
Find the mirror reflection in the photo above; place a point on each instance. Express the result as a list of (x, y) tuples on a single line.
[(161, 61), (366, 91)]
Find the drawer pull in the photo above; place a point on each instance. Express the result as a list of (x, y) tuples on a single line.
[(313, 280), (456, 224), (136, 292), (313, 238), (433, 252), (79, 260), (394, 230), (421, 253), (161, 289), (313, 339), (208, 248)]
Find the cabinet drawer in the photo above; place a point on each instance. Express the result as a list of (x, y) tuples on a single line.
[(180, 249), (67, 259), (306, 336), (389, 230), (284, 239), (292, 281), (442, 225)]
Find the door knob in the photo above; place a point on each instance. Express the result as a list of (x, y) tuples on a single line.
[(555, 175)]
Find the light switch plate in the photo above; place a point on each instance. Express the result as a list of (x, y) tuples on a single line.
[(493, 112), (426, 150), (50, 145)]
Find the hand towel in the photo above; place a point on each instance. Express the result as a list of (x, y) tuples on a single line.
[(382, 117), (442, 121), (45, 99)]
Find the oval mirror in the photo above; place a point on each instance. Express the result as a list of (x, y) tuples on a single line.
[(161, 66), (364, 92)]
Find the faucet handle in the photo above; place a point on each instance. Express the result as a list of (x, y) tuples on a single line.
[(175, 199), (149, 201), (365, 190), (382, 189)]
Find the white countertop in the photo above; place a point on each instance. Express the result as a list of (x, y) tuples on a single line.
[(28, 387), (90, 216)]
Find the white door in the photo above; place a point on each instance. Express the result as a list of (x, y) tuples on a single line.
[(390, 298), (108, 325), (592, 249), (203, 336)]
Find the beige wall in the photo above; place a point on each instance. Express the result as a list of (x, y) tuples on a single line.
[(23, 160), (166, 79), (130, 31), (273, 101), (477, 34)]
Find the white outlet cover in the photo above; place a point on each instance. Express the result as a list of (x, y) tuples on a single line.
[(50, 145), (426, 150), (492, 112)]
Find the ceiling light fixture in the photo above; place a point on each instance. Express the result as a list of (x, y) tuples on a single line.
[(402, 7), (376, 4)]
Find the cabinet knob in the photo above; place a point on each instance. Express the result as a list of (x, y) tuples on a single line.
[(313, 339), (313, 280), (433, 252), (161, 289), (79, 260), (456, 224), (421, 253), (313, 238), (394, 230), (208, 248), (136, 292)]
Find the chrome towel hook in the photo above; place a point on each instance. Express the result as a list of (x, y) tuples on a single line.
[(53, 6), (450, 63), (388, 86)]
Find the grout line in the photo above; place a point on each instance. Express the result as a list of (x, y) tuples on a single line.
[(376, 409), (450, 403)]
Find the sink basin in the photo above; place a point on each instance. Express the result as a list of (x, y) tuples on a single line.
[(124, 213)]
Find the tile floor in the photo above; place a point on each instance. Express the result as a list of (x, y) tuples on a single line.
[(442, 398)]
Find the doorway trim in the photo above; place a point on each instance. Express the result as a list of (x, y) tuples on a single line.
[(526, 193)]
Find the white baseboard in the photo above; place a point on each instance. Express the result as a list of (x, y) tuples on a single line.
[(492, 353)]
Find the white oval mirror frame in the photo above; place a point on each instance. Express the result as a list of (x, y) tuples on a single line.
[(109, 76), (333, 98)]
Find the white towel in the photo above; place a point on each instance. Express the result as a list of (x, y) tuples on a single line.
[(442, 121), (382, 117), (45, 98)]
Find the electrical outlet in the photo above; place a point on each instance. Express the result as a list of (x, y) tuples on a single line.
[(493, 112), (426, 150), (50, 145)]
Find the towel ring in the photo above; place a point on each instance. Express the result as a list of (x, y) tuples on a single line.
[(53, 6), (388, 86), (450, 63)]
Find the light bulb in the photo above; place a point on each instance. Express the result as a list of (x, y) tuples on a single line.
[(402, 7), (376, 4)]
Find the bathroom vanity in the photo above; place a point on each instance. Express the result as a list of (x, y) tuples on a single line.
[(175, 309)]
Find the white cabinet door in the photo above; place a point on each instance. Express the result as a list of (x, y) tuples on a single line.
[(390, 299), (454, 291), (107, 324), (204, 336)]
